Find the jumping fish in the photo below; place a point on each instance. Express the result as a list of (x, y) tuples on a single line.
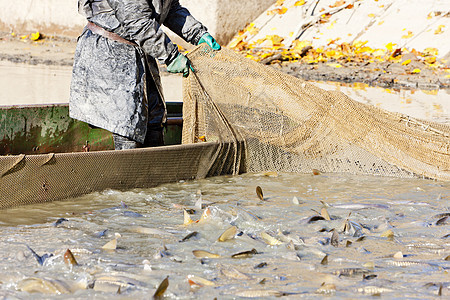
[(324, 260), (228, 234), (44, 286)]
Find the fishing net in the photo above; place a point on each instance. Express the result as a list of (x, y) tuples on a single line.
[(271, 121)]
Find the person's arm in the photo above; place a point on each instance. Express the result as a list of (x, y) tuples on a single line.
[(137, 18), (180, 21)]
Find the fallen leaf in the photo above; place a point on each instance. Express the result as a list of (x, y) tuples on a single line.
[(334, 65), (406, 62), (439, 29), (416, 71), (407, 36), (299, 3)]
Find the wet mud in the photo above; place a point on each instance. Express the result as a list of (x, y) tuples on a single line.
[(59, 51)]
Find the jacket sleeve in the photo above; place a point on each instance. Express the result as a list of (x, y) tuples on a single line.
[(180, 21), (138, 21)]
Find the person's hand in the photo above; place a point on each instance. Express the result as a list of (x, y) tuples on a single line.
[(208, 39), (180, 65)]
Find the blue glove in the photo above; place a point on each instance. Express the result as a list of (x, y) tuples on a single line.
[(180, 65), (208, 39)]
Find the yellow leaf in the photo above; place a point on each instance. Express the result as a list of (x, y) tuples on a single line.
[(334, 65), (279, 2), (24, 37), (439, 29), (415, 71), (299, 3), (406, 62), (430, 59), (13, 34), (447, 76), (391, 46), (407, 36), (431, 51), (381, 22), (371, 15), (35, 36)]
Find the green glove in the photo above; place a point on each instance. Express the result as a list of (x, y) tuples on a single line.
[(208, 39), (180, 65)]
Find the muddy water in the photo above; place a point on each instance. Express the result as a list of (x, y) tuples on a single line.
[(26, 84), (411, 263)]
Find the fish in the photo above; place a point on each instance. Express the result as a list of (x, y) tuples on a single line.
[(260, 265), (315, 219), (161, 288), (369, 277), (258, 293), (112, 245), (200, 281), (60, 221), (348, 243), (326, 288), (388, 234), (148, 230), (335, 238), (442, 221), (234, 273), (228, 234), (270, 240), (245, 254), (442, 215), (132, 214), (324, 214), (324, 260), (205, 254), (205, 216), (40, 259), (44, 286), (295, 201), (259, 193), (69, 259), (373, 290), (409, 263), (100, 233), (187, 218), (189, 236), (349, 272)]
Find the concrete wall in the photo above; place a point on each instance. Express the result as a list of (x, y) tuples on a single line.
[(59, 17)]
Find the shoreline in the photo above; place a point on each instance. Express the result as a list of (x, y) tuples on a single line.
[(59, 51)]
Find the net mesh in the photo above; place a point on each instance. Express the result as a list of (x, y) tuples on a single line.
[(274, 121)]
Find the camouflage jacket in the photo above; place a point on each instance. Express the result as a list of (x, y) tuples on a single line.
[(116, 86)]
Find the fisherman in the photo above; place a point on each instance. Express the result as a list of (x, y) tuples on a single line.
[(115, 82)]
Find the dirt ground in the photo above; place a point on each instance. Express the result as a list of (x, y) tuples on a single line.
[(60, 51)]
